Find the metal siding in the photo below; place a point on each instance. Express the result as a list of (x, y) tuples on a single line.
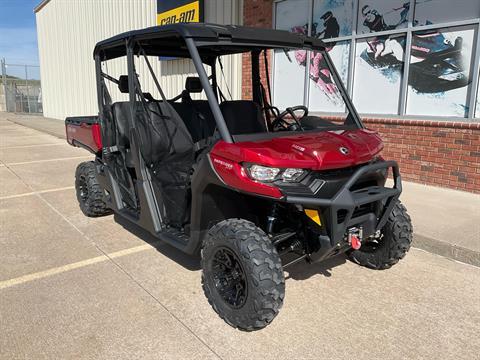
[(68, 31)]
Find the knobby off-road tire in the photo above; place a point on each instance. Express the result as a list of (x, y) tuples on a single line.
[(252, 251), (89, 192), (392, 247)]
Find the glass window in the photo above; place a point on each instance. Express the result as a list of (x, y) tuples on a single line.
[(437, 11), (440, 63), (382, 15), (289, 78), (379, 64), (332, 18), (324, 94), (292, 15), (440, 72), (289, 68), (477, 111)]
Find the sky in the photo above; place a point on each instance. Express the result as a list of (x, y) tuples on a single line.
[(18, 34)]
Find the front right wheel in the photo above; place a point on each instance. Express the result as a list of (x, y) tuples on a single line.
[(390, 246), (242, 274)]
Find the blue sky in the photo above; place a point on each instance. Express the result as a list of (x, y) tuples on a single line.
[(18, 35)]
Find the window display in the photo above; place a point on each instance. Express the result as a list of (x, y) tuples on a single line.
[(323, 93), (289, 78), (429, 12), (477, 111), (382, 15), (378, 75), (291, 14), (440, 72), (288, 74), (440, 64), (332, 18)]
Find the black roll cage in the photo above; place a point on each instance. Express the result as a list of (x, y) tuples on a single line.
[(203, 44)]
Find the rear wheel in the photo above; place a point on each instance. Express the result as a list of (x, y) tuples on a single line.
[(390, 246), (89, 191), (242, 274)]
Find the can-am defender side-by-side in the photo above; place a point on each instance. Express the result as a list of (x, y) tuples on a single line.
[(252, 188)]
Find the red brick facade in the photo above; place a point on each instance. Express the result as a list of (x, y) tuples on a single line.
[(439, 153), (256, 13)]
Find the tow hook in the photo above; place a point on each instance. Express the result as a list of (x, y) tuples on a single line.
[(355, 238)]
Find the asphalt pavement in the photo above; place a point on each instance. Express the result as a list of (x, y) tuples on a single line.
[(72, 287)]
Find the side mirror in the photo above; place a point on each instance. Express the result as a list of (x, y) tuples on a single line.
[(123, 84)]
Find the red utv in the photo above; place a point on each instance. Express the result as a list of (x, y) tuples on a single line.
[(252, 188)]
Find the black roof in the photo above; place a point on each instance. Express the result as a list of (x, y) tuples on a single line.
[(169, 40)]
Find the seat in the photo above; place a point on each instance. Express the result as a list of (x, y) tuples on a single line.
[(191, 119), (168, 150), (166, 147), (202, 114), (121, 114), (243, 117)]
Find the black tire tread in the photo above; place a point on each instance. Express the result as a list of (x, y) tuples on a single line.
[(94, 206), (399, 233), (262, 263)]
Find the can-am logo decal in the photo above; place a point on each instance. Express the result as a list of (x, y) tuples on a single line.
[(344, 150), (298, 147), (225, 164), (179, 11)]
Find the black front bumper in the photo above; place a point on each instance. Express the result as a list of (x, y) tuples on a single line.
[(341, 211)]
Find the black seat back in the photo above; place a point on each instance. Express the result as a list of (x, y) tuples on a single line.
[(243, 117), (190, 118), (121, 116), (202, 123), (163, 135), (168, 150)]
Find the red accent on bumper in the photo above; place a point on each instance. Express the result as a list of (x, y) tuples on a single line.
[(356, 243)]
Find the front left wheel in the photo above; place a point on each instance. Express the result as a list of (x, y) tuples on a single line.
[(242, 274)]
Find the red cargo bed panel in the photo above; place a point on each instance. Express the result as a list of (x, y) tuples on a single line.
[(84, 132)]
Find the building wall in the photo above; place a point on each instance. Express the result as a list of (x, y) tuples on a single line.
[(433, 152), (68, 31)]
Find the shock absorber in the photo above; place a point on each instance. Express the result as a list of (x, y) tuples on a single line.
[(296, 246), (271, 218)]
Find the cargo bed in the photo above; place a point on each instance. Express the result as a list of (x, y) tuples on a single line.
[(84, 132)]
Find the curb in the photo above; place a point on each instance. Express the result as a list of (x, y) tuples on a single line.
[(447, 250)]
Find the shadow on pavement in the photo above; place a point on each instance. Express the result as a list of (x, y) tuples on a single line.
[(189, 262), (299, 271), (303, 271)]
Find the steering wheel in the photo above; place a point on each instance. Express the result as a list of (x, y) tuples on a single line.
[(281, 124)]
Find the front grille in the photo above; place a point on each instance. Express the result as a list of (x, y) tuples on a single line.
[(359, 211)]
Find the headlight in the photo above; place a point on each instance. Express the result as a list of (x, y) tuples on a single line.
[(269, 174), (291, 175), (263, 173)]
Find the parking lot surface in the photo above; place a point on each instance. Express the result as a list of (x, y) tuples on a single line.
[(72, 287)]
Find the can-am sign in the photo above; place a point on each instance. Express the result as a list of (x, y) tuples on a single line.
[(179, 11)]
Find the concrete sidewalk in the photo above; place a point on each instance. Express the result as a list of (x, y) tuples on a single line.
[(446, 222)]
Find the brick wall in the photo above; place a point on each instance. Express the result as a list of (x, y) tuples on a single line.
[(256, 13), (439, 153)]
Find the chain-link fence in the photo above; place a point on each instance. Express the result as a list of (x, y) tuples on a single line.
[(20, 88)]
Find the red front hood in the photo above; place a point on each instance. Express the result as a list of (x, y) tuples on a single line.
[(316, 151)]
